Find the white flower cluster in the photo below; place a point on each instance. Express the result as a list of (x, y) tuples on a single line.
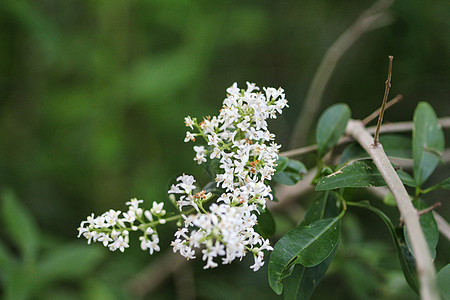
[(113, 227), (238, 138)]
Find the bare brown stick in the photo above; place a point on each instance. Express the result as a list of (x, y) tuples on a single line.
[(383, 104), (374, 17), (375, 114), (428, 209), (444, 227), (424, 263)]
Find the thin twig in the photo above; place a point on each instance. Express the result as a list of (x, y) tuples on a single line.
[(443, 226), (372, 18), (383, 104), (386, 128), (375, 114), (424, 263)]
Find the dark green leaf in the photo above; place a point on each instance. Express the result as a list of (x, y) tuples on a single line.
[(429, 228), (322, 207), (361, 173), (443, 282), (428, 142), (291, 174), (302, 282), (69, 261), (331, 127), (20, 225), (406, 178), (393, 145), (406, 259), (305, 245), (266, 224)]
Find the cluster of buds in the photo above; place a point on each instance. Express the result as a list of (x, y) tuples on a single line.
[(112, 228)]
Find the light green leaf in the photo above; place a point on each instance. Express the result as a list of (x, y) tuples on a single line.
[(331, 127), (305, 245), (429, 228), (389, 199), (361, 173), (291, 173), (443, 282), (20, 225), (282, 163), (428, 142), (406, 259)]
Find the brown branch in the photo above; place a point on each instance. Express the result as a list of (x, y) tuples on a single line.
[(374, 17), (424, 263), (375, 114), (383, 104)]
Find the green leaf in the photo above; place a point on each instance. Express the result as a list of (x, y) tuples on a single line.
[(406, 178), (389, 199), (393, 145), (361, 173), (20, 226), (305, 245), (291, 173), (322, 207), (443, 282), (405, 257), (282, 163), (266, 224), (303, 281), (69, 261), (331, 127), (429, 228), (428, 142)]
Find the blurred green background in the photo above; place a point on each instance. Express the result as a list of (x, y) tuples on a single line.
[(92, 100)]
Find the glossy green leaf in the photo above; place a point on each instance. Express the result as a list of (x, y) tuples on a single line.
[(20, 225), (266, 224), (331, 127), (305, 245), (303, 281), (394, 146), (291, 173), (405, 257), (428, 142), (361, 173), (429, 228), (443, 282)]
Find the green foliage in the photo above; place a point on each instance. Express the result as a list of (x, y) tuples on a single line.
[(30, 274), (361, 173), (289, 171), (428, 142), (306, 245), (331, 127)]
